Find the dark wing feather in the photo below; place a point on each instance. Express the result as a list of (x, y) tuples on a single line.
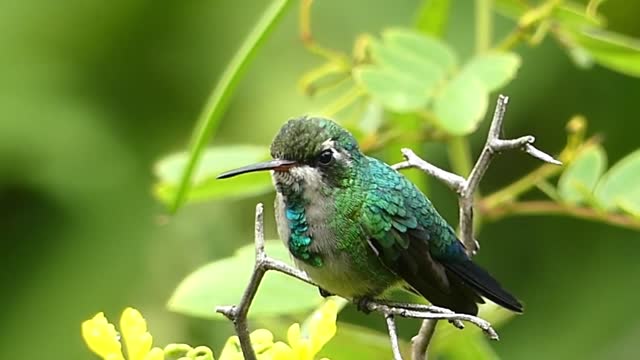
[(406, 231), (418, 245)]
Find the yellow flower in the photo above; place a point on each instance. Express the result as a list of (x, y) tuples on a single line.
[(101, 337), (320, 329), (134, 332)]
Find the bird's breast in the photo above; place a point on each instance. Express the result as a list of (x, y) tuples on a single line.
[(349, 271)]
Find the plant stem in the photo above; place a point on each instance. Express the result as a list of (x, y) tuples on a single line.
[(545, 207), (460, 155), (520, 186), (219, 99), (484, 25)]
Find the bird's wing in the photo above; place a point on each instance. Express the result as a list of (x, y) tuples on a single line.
[(416, 243), (413, 240)]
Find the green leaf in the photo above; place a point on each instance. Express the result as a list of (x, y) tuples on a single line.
[(408, 69), (574, 15), (592, 7), (621, 184), (357, 342), (611, 50), (221, 94), (421, 46), (582, 173), (406, 63), (466, 348), (495, 70), (568, 14), (214, 161), (432, 17), (460, 106), (631, 204), (223, 282), (512, 9), (394, 91)]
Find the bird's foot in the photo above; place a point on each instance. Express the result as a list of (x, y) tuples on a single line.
[(361, 304), (324, 293)]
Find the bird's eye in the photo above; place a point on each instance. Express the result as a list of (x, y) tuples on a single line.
[(325, 157)]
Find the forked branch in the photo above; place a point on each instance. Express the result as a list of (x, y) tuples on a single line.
[(466, 190)]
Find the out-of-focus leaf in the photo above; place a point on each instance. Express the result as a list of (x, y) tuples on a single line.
[(408, 67), (357, 342), (621, 184), (569, 14), (214, 161), (631, 204), (405, 62), (465, 347), (462, 103), (421, 46), (372, 118), (222, 282), (574, 15), (611, 50), (592, 7), (582, 174), (394, 91), (432, 16), (512, 9), (495, 70)]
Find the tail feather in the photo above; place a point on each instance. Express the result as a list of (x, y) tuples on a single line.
[(481, 281)]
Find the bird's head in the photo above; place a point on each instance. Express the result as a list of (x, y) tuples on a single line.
[(309, 152)]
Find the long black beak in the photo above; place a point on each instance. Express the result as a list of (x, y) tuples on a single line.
[(277, 165)]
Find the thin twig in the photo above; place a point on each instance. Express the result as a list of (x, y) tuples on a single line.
[(420, 342), (466, 188), (238, 314), (393, 335)]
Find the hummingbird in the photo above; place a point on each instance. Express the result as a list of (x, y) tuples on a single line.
[(358, 227)]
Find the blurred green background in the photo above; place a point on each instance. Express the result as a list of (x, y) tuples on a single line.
[(93, 93)]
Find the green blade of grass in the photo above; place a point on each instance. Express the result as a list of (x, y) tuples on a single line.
[(219, 98)]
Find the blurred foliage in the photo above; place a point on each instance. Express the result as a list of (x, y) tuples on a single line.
[(92, 92), (206, 288)]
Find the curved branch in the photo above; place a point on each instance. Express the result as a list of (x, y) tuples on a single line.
[(420, 342)]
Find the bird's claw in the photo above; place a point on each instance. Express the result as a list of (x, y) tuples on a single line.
[(324, 293), (362, 304)]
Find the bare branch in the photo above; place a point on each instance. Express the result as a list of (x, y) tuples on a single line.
[(466, 189), (238, 314), (393, 335), (453, 181), (420, 342)]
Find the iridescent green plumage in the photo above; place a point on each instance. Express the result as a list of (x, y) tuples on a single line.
[(358, 227)]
